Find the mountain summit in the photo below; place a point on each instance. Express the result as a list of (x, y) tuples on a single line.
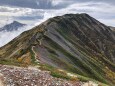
[(12, 26), (76, 43)]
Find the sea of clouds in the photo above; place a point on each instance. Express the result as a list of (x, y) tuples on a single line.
[(7, 36)]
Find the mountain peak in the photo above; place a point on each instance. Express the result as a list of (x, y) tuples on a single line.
[(74, 15), (15, 25), (16, 22), (81, 14)]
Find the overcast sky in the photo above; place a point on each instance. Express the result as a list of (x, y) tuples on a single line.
[(33, 12)]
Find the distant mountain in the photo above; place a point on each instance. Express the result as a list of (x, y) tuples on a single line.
[(112, 28), (76, 43), (12, 26)]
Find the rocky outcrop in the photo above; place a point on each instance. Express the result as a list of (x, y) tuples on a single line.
[(32, 76)]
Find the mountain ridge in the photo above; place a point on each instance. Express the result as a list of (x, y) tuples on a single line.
[(74, 42)]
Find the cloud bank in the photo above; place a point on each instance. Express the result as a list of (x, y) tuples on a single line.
[(5, 36)]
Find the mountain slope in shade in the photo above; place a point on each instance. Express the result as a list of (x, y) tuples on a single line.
[(12, 26), (76, 43)]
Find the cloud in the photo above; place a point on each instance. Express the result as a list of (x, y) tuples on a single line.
[(11, 35), (47, 4), (17, 13), (34, 4), (109, 22), (29, 14), (14, 11), (5, 36), (57, 2)]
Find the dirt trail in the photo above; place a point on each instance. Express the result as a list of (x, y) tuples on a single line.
[(35, 55)]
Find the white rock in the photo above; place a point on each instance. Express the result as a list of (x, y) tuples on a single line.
[(90, 83)]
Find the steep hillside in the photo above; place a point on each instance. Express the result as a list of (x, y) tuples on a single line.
[(76, 43)]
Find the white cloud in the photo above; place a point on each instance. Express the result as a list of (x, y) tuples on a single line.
[(109, 22), (94, 9), (37, 2), (47, 15), (57, 2), (5, 36), (14, 11)]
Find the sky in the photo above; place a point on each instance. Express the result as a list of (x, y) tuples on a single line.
[(33, 12)]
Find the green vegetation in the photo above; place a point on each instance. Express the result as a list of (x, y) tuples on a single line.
[(9, 62), (33, 60), (85, 79), (32, 56), (56, 72)]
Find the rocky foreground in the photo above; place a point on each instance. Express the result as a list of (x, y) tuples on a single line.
[(31, 76)]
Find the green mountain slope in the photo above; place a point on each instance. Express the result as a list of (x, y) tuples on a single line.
[(74, 42)]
